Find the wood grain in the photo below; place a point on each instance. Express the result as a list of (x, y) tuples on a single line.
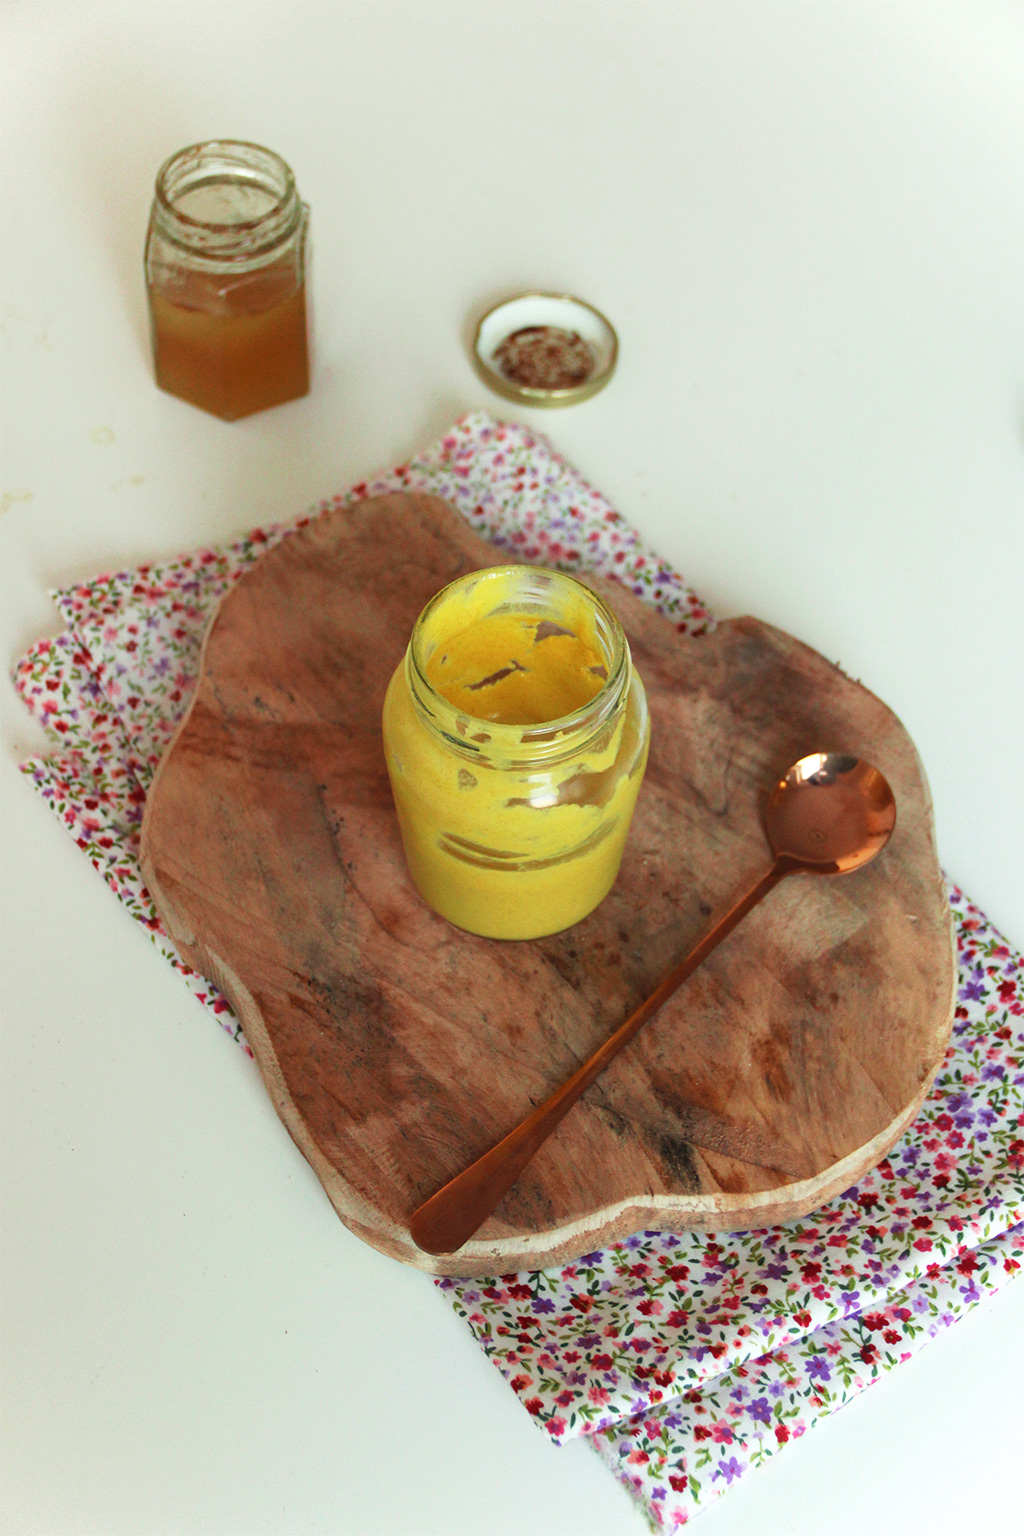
[(397, 1048)]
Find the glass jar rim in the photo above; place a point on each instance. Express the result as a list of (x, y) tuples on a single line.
[(224, 240), (547, 740)]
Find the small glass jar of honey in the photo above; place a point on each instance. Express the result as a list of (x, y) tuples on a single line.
[(226, 276), (515, 732)]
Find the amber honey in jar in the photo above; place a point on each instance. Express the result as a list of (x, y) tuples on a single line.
[(516, 733), (226, 276)]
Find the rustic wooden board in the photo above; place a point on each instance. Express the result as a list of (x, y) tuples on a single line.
[(397, 1048)]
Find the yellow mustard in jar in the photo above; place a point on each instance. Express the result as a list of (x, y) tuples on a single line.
[(516, 732)]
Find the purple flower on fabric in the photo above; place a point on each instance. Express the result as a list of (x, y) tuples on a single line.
[(818, 1369), (851, 1302), (921, 1304), (774, 1272), (992, 1070), (542, 1304), (760, 1410), (728, 1469), (972, 992)]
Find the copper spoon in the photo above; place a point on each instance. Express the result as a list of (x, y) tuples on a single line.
[(830, 814)]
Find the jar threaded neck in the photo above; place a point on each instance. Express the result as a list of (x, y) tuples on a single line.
[(545, 593), (227, 201)]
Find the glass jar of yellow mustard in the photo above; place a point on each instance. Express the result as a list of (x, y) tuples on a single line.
[(516, 733)]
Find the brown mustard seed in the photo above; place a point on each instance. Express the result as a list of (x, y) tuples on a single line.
[(545, 357)]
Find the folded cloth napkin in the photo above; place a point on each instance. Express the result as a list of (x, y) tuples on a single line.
[(685, 1358)]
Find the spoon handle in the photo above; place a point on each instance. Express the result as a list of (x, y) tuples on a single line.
[(449, 1218)]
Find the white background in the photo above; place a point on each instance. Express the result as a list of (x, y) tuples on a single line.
[(805, 222)]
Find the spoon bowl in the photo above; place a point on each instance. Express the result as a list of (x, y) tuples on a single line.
[(830, 814)]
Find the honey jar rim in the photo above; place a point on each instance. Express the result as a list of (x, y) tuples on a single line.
[(213, 240)]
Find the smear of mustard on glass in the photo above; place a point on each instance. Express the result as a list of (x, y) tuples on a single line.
[(517, 669)]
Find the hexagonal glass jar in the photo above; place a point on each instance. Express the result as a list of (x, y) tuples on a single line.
[(226, 277)]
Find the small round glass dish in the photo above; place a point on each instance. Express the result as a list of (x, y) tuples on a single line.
[(545, 349)]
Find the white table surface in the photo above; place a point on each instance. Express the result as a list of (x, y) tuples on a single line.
[(804, 220)]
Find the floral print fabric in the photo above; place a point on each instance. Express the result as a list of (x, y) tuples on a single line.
[(624, 1329), (687, 1358), (678, 1458)]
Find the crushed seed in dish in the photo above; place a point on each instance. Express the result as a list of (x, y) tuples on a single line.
[(545, 357)]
